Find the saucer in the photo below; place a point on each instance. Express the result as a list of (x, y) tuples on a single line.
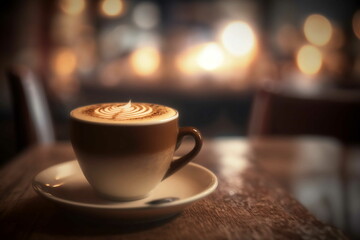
[(66, 185)]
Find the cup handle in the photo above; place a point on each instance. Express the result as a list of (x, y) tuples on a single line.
[(182, 161)]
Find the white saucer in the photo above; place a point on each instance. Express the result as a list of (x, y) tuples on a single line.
[(65, 184)]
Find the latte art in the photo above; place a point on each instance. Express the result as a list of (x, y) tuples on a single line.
[(129, 113), (121, 112)]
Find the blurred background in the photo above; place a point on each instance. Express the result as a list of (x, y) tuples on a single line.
[(205, 58), (222, 64)]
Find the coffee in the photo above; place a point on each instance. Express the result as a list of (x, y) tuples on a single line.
[(126, 149), (125, 113)]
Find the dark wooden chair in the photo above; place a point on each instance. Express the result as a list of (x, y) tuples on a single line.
[(33, 123), (331, 113)]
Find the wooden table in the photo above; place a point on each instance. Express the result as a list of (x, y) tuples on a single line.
[(248, 203)]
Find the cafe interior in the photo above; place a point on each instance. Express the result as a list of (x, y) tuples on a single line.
[(284, 76)]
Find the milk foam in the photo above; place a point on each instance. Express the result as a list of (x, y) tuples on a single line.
[(125, 113)]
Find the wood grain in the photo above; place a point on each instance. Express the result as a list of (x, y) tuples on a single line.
[(246, 205)]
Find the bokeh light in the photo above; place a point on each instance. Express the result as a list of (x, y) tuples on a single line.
[(112, 8), (210, 57), (309, 59), (146, 15), (318, 29), (72, 7), (186, 61), (64, 62), (145, 61), (238, 38)]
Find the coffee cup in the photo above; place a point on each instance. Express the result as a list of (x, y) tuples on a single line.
[(126, 149)]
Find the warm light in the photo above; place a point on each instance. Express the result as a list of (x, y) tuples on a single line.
[(196, 59), (238, 38), (64, 62), (72, 7), (309, 59), (186, 61), (318, 29), (112, 8), (145, 61), (210, 57), (232, 162), (356, 24)]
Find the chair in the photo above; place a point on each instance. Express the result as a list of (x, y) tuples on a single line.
[(331, 113), (33, 124), (281, 112)]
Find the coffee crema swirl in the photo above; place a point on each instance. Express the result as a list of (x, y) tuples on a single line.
[(124, 113)]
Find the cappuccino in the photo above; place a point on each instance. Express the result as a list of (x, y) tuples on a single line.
[(125, 113), (126, 149)]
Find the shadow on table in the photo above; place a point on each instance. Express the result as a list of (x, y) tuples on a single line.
[(38, 216)]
